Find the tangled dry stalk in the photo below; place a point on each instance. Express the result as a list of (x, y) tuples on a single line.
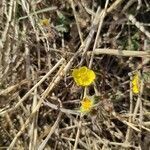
[(39, 100)]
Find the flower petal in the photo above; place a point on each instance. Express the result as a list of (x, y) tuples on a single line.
[(75, 73), (83, 70), (91, 75)]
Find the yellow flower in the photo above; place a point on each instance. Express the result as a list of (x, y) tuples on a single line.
[(86, 105), (83, 76), (44, 22), (136, 84)]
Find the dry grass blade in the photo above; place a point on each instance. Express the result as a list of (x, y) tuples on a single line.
[(9, 18), (124, 53), (34, 126), (138, 25), (53, 128), (67, 111), (77, 135), (36, 108), (35, 86), (77, 22), (39, 11), (13, 87), (103, 14)]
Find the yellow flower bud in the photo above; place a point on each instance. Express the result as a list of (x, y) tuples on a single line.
[(86, 105), (136, 83), (44, 22)]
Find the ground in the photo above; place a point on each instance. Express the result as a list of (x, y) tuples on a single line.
[(43, 105)]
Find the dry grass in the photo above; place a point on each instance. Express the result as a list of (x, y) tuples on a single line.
[(39, 100)]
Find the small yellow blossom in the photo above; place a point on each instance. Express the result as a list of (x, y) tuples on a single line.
[(44, 22), (86, 105), (83, 76), (136, 84)]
